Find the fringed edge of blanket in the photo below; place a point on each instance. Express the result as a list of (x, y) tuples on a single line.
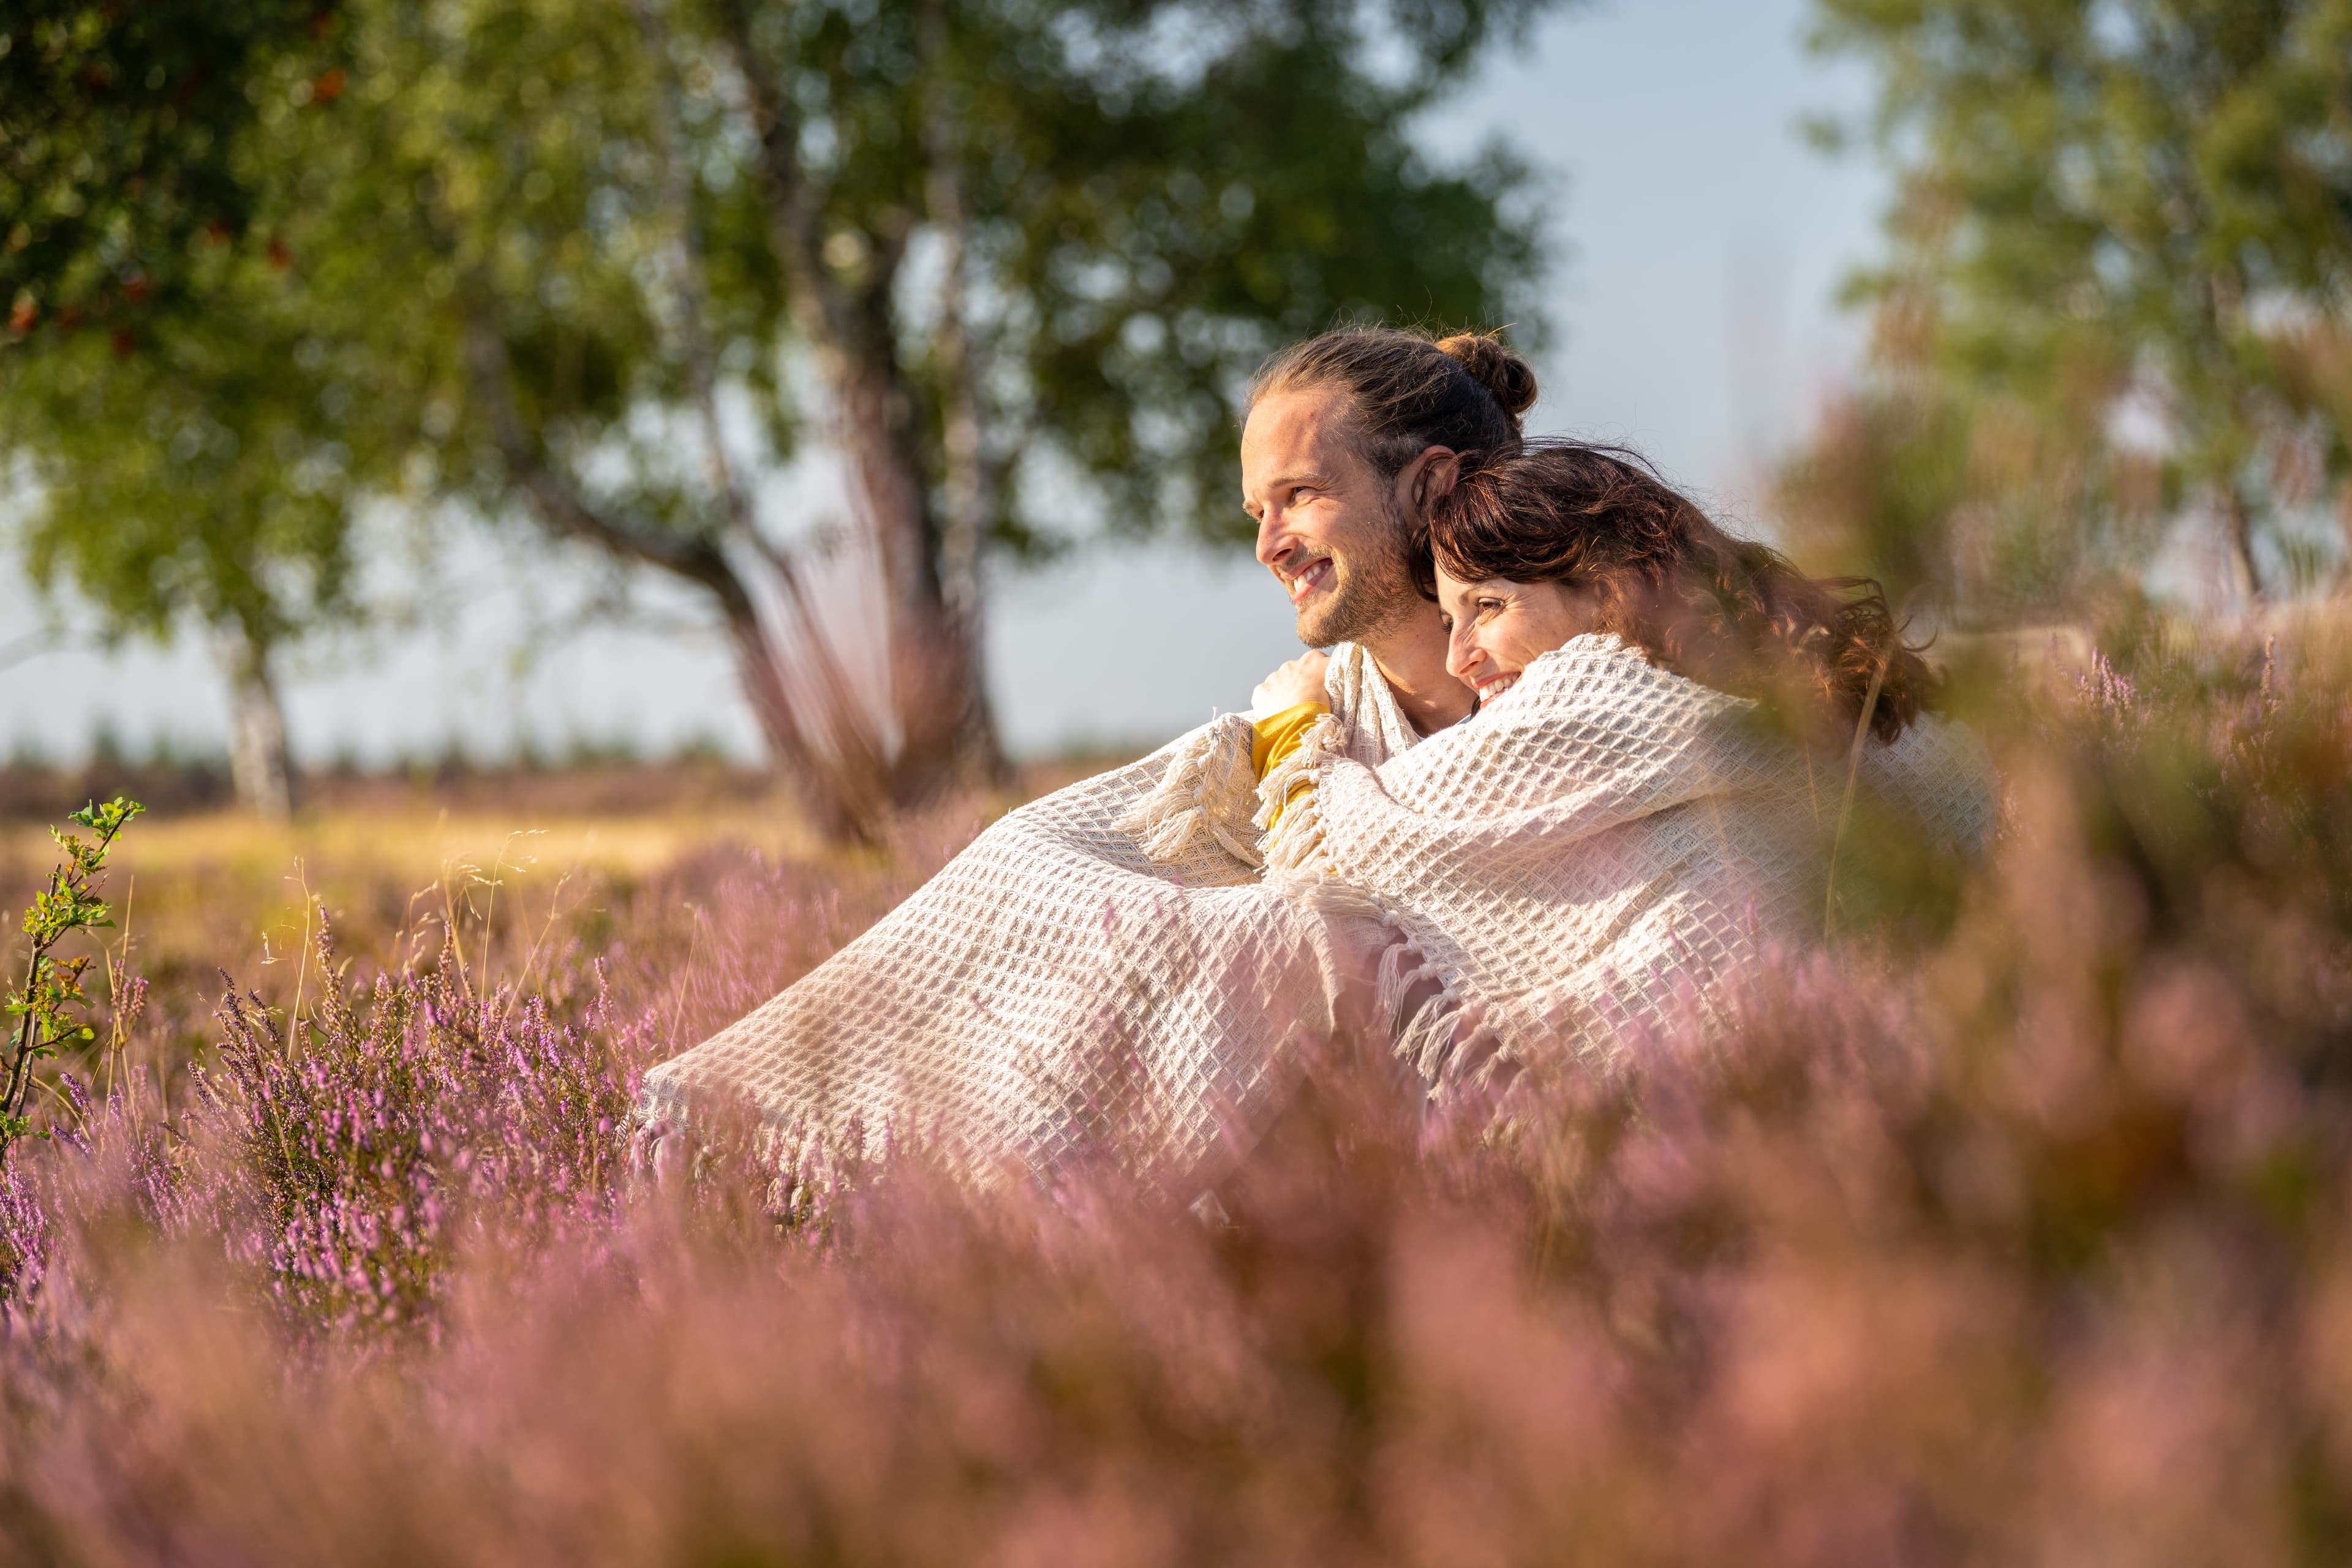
[(676, 1130), (1422, 1037), (1206, 789), (1428, 1033), (1293, 828)]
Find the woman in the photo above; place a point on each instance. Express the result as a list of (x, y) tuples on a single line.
[(1560, 540), (1672, 723)]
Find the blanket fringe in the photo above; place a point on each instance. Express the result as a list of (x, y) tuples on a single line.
[(1423, 1038), (1207, 789), (1293, 828), (1330, 897)]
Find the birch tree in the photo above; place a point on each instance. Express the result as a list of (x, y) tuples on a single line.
[(977, 251)]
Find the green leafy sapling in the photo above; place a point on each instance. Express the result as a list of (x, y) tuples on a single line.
[(48, 1014)]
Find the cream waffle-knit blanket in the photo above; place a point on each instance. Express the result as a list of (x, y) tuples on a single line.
[(1107, 971), (1101, 972), (1597, 850)]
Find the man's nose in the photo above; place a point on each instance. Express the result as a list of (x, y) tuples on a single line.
[(1274, 541)]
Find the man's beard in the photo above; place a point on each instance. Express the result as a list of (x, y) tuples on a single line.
[(1372, 592)]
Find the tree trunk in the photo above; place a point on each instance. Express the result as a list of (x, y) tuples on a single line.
[(2237, 527), (936, 687), (968, 490), (845, 797), (937, 690), (841, 800), (257, 762), (2344, 526), (840, 791)]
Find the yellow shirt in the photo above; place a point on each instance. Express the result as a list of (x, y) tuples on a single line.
[(1274, 738)]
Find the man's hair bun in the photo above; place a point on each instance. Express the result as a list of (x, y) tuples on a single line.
[(1507, 378), (1408, 391)]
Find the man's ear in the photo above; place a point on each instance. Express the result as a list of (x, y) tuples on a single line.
[(1428, 476)]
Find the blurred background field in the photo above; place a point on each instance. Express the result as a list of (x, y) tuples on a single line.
[(539, 862)]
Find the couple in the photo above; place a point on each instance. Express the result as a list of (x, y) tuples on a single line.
[(1572, 761)]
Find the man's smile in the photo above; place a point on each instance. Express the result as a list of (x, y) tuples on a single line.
[(1308, 580)]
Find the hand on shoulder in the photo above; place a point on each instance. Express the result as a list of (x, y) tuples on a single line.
[(1300, 680)]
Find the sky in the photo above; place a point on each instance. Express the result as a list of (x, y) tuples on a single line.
[(1698, 245)]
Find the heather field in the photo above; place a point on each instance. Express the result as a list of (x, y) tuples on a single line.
[(2011, 1227)]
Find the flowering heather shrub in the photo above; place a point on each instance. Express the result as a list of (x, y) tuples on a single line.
[(23, 1233), (359, 1138), (2030, 1243)]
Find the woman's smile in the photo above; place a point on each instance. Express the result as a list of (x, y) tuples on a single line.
[(1496, 627)]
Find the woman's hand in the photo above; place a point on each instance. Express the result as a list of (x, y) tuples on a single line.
[(1300, 680)]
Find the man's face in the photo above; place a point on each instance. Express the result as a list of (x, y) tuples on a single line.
[(1329, 527)]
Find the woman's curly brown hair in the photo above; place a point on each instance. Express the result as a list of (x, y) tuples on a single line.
[(1730, 612)]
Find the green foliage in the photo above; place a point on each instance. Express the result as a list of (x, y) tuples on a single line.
[(2103, 199), (1150, 198), (119, 130), (1168, 228), (1873, 493), (190, 431), (210, 469), (520, 254), (1977, 505), (46, 1013)]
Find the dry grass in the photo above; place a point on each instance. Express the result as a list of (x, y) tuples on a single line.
[(525, 864)]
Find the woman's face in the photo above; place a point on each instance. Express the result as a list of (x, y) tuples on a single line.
[(1494, 628)]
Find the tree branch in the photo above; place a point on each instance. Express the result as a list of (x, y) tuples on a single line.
[(558, 503), (858, 757), (822, 312)]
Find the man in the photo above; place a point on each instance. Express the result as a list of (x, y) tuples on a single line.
[(1334, 532), (1102, 972), (1350, 438)]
